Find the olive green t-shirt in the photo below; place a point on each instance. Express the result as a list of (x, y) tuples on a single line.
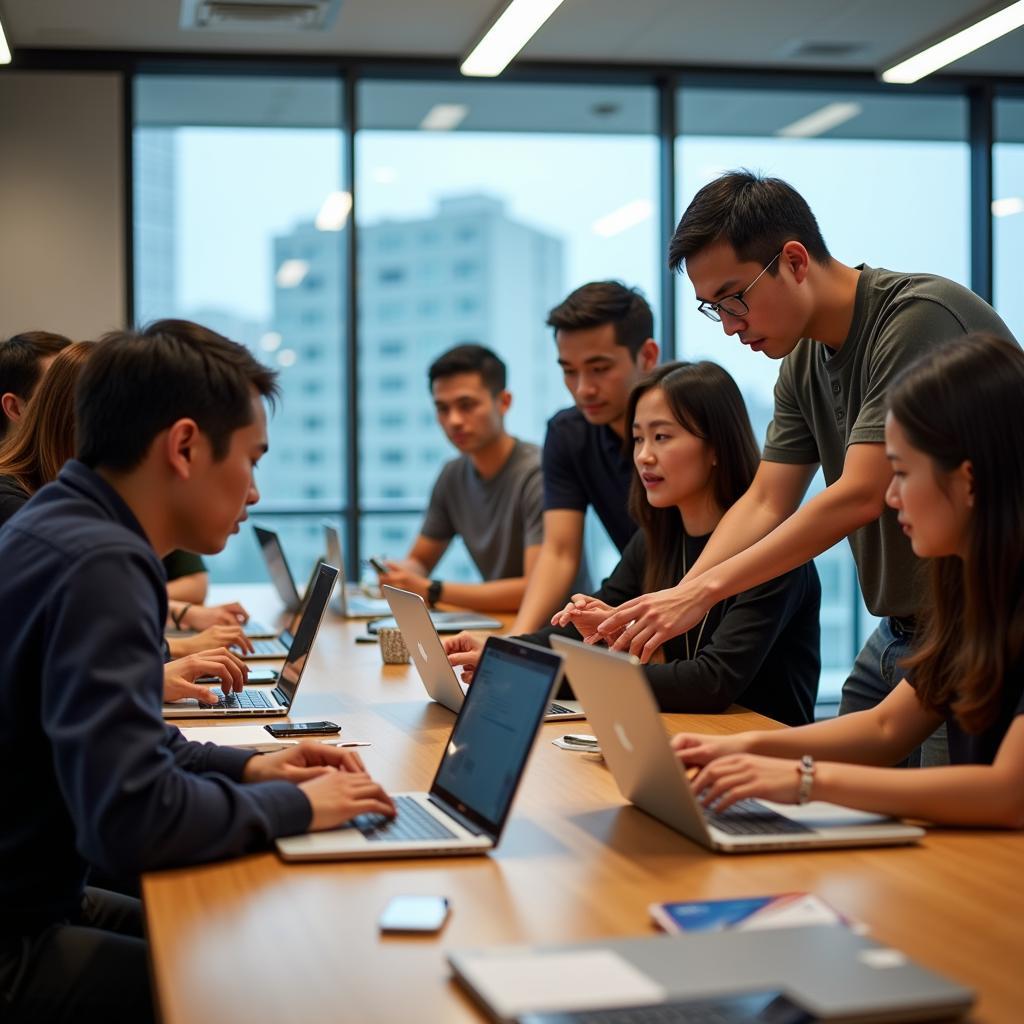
[(826, 400)]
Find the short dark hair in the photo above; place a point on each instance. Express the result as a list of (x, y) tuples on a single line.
[(754, 214), (20, 356), (138, 383), (607, 302), (470, 359)]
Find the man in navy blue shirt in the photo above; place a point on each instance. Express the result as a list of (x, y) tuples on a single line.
[(603, 334), (170, 425)]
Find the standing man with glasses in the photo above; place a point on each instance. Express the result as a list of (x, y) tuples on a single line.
[(759, 265)]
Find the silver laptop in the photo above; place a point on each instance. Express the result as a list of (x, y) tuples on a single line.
[(278, 646), (277, 567), (624, 716), (279, 698), (349, 602), (432, 663), (827, 971), (483, 761)]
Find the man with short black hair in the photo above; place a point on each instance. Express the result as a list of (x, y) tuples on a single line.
[(170, 424), (758, 264), (490, 495), (603, 333), (24, 358)]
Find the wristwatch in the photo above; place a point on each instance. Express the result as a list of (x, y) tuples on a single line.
[(806, 769), (434, 592)]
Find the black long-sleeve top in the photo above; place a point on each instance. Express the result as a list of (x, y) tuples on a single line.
[(760, 648), (89, 771)]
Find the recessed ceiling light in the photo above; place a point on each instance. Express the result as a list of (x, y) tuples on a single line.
[(334, 212), (958, 45), (5, 50), (1007, 207), (443, 117), (514, 28), (820, 121), (623, 218)]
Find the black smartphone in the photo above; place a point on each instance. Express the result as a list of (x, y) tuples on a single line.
[(279, 729), (378, 566), (414, 914)]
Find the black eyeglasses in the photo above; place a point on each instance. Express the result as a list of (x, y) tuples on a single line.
[(734, 304)]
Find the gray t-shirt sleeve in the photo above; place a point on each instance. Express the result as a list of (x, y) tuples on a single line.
[(911, 331), (532, 499), (789, 437), (437, 523)]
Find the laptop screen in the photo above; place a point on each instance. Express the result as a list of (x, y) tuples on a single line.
[(492, 737), (277, 566), (319, 594)]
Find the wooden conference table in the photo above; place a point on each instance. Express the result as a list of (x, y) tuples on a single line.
[(256, 940)]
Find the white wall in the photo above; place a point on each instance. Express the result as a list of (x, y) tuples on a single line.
[(62, 249)]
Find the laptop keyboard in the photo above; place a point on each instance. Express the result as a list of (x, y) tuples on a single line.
[(269, 647), (246, 700), (413, 822), (762, 1008), (559, 709), (749, 818)]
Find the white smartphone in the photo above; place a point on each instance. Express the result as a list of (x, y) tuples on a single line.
[(421, 914)]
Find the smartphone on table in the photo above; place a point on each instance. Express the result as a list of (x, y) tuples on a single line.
[(419, 914), (280, 729)]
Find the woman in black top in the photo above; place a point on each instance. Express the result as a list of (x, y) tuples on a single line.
[(953, 438), (695, 454)]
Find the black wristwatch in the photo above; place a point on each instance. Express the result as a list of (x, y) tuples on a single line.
[(434, 592)]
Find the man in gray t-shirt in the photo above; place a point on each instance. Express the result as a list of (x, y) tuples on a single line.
[(491, 495), (759, 266)]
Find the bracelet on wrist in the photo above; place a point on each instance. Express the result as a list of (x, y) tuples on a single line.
[(806, 784), (179, 619)]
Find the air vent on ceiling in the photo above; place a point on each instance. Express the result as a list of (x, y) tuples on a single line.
[(822, 50), (258, 15)]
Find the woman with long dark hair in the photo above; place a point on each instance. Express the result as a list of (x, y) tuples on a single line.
[(695, 454), (953, 438)]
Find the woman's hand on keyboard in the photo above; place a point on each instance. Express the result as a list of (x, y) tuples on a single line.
[(215, 636), (741, 776), (202, 616), (180, 675)]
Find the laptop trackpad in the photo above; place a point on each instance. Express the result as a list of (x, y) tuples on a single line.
[(819, 814)]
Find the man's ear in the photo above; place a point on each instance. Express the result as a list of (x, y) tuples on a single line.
[(647, 355), (12, 406), (183, 439), (503, 400), (796, 257)]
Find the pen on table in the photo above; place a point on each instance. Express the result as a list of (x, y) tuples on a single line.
[(353, 743)]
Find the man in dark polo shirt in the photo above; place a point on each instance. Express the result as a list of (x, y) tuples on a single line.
[(603, 335), (170, 425), (759, 266)]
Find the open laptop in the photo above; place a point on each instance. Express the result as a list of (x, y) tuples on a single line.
[(432, 663), (827, 971), (483, 762), (624, 716), (349, 602), (277, 646), (278, 699), (277, 566)]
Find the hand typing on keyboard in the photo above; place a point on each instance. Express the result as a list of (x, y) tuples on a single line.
[(726, 780), (180, 675), (334, 781)]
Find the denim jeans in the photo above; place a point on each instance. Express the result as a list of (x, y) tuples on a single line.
[(875, 674)]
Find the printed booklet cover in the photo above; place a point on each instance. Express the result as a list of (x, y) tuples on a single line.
[(785, 910)]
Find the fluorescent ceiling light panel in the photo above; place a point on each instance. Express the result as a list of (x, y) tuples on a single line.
[(958, 45), (5, 50), (334, 213), (624, 218), (444, 117), (291, 273), (1007, 207), (820, 121), (507, 36)]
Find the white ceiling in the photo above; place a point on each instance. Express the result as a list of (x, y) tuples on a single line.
[(736, 33)]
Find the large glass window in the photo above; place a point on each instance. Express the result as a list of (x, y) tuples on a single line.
[(480, 206), (888, 179), (240, 215), (1008, 212)]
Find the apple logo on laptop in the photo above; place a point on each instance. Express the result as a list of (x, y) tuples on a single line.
[(623, 739), (423, 653)]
